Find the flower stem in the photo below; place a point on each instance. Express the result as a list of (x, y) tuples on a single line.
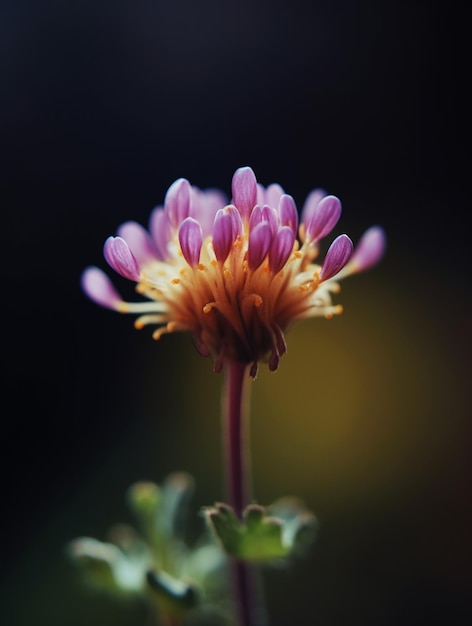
[(238, 475), (236, 436)]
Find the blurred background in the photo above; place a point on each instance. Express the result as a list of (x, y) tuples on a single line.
[(104, 104)]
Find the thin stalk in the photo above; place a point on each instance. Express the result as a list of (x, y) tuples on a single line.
[(236, 448)]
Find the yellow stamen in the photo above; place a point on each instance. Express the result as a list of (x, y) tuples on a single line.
[(238, 243), (157, 334)]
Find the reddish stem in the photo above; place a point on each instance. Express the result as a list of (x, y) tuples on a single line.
[(235, 430), (238, 476)]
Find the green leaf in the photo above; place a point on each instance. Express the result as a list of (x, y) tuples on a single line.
[(105, 566), (264, 533)]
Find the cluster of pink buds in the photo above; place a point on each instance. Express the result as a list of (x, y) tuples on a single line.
[(235, 275)]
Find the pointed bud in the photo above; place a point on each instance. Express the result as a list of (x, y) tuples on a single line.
[(159, 228), (177, 202), (238, 227), (259, 244), (323, 219), (223, 233), (270, 216), (119, 256), (99, 288), (369, 250), (244, 188), (256, 217), (281, 248), (310, 204), (139, 241), (204, 204), (191, 239), (288, 212), (273, 194), (336, 258), (264, 214)]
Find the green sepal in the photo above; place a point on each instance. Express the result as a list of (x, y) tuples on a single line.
[(264, 533)]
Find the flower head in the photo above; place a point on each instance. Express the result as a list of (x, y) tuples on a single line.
[(235, 275)]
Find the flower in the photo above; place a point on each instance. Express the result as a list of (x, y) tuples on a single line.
[(235, 275)]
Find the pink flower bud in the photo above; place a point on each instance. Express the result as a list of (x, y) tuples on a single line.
[(323, 219), (99, 288), (310, 204), (177, 202), (119, 256), (336, 258), (223, 236), (244, 188), (259, 243), (191, 239), (288, 212), (281, 248), (139, 241), (159, 228), (369, 250)]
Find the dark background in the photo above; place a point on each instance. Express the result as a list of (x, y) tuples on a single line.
[(103, 106)]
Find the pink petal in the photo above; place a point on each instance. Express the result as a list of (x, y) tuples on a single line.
[(191, 239), (119, 256), (260, 194), (369, 249), (223, 234), (273, 194), (310, 204), (244, 188), (99, 288), (159, 228), (336, 258), (256, 217), (204, 205), (264, 214), (269, 215), (139, 241), (259, 243), (288, 212), (324, 218), (177, 202), (238, 227), (281, 248)]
